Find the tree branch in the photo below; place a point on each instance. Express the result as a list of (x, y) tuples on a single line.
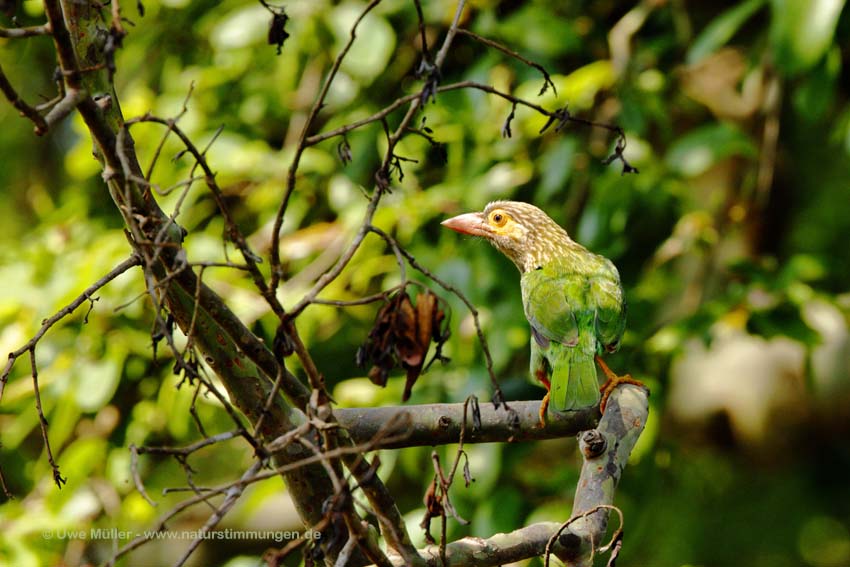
[(46, 324), (606, 452), (18, 33), (247, 367), (274, 259), (620, 427), (22, 107), (440, 424)]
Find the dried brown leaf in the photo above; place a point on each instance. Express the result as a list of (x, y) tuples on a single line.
[(401, 336)]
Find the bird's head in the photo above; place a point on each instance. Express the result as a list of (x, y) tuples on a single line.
[(521, 231)]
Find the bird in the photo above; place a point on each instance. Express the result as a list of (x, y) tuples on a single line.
[(573, 300)]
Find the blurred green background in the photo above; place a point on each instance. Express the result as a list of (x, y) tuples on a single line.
[(731, 242)]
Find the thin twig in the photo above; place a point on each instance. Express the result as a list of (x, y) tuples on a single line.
[(25, 109), (299, 150), (361, 301), (343, 260), (189, 449), (130, 262), (162, 140), (57, 478), (422, 38), (229, 501), (547, 80), (137, 479)]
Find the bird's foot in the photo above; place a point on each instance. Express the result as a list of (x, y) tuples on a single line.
[(613, 381), (544, 405)]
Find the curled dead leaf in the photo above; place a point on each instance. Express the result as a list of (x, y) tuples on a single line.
[(402, 335)]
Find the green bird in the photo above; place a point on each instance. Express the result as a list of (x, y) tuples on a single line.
[(572, 298)]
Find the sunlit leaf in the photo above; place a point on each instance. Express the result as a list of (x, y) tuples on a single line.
[(801, 32), (375, 41), (697, 151)]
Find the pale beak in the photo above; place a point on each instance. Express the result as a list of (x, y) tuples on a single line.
[(468, 223)]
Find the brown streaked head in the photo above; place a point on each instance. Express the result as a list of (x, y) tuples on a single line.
[(521, 231)]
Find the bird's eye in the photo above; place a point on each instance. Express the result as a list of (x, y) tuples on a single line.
[(499, 219)]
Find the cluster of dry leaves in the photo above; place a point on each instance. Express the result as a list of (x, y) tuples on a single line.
[(401, 336)]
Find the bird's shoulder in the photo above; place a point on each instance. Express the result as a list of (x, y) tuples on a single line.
[(591, 283), (580, 265), (560, 297)]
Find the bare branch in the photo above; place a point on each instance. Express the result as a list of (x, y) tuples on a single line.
[(188, 450), (42, 421), (606, 452), (137, 479), (130, 262), (440, 424), (620, 427), (296, 160), (229, 500), (616, 537), (31, 31), (343, 260), (65, 106), (547, 80), (16, 101)]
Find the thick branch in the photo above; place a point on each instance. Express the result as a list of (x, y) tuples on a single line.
[(244, 364), (439, 424), (606, 452), (620, 427), (498, 549)]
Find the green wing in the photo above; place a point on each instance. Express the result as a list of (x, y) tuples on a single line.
[(572, 316), (606, 297)]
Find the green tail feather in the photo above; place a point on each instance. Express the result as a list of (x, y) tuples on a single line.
[(573, 381)]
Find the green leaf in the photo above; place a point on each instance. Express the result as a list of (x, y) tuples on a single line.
[(802, 31), (816, 94), (241, 28), (783, 321), (97, 381), (371, 51), (722, 29), (556, 167), (696, 152), (551, 37)]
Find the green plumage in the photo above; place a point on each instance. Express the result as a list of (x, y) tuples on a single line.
[(574, 305), (572, 298)]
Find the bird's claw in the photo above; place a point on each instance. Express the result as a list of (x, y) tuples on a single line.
[(544, 405), (614, 381)]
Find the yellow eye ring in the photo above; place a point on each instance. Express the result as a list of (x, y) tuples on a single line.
[(498, 218)]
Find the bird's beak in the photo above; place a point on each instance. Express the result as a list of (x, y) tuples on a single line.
[(468, 223)]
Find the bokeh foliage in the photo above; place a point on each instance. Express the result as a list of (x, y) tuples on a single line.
[(732, 245)]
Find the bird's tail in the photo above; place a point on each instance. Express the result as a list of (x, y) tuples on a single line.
[(574, 384)]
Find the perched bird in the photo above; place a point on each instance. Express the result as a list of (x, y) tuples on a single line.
[(572, 299)]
